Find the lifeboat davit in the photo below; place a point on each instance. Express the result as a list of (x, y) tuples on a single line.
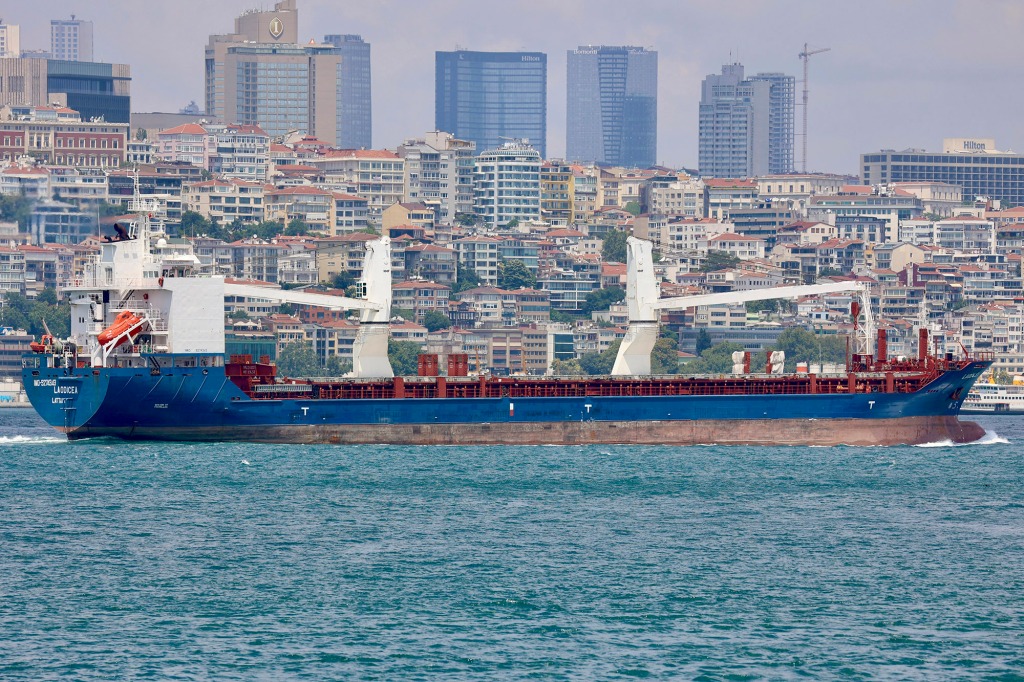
[(42, 345), (122, 323)]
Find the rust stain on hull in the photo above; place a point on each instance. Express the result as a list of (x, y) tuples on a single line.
[(900, 431)]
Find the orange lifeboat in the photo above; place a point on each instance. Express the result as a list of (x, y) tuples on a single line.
[(42, 345), (122, 323)]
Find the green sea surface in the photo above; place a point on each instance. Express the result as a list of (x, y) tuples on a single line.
[(156, 561)]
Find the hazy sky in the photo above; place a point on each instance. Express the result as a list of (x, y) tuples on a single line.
[(899, 74)]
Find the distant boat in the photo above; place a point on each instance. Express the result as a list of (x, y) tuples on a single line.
[(994, 399)]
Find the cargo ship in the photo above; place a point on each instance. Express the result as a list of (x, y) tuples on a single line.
[(145, 359)]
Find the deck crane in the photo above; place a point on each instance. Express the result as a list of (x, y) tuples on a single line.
[(370, 350), (643, 305), (807, 53)]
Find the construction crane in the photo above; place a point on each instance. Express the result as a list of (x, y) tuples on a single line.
[(806, 55)]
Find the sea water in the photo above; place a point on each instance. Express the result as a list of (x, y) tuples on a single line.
[(196, 561)]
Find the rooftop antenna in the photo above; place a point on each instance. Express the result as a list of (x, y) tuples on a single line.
[(806, 55)]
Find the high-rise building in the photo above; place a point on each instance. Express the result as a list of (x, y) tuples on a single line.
[(94, 89), (277, 27), (781, 120), (746, 124), (355, 113), (612, 107), (282, 88), (71, 39), (491, 97), (261, 75), (10, 40)]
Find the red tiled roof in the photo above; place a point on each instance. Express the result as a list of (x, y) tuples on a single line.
[(184, 129)]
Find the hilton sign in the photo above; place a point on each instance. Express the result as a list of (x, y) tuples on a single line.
[(952, 145)]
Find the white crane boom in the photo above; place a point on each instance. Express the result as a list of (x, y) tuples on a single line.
[(643, 304), (300, 297), (746, 296), (370, 348)]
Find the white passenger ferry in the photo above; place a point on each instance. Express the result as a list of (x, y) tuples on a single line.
[(994, 399)]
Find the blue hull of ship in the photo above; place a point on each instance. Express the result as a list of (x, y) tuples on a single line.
[(203, 404)]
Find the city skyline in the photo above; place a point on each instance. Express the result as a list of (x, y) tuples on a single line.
[(880, 86)]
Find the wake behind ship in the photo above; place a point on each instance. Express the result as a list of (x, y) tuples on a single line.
[(145, 360)]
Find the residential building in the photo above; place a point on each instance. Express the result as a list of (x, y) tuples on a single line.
[(439, 172), (256, 259), (974, 165), (71, 39), (421, 297), (739, 245), (481, 255), (489, 97), (415, 214), (85, 187), (322, 210), (680, 196), (878, 202), (746, 126), (612, 105), (12, 270), (225, 200), (354, 110), (556, 193), (378, 175), (507, 184), (432, 263), (344, 253)]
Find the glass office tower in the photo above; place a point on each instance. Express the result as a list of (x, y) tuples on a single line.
[(612, 105), (492, 97)]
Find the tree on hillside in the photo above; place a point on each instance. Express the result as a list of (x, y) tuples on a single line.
[(22, 312), (801, 345), (566, 367), (435, 320), (703, 341), (718, 260), (633, 207), (600, 363), (466, 279), (296, 228), (298, 359), (513, 274), (614, 247), (665, 357), (601, 299), (714, 360), (404, 356)]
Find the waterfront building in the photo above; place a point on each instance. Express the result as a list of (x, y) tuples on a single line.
[(60, 136), (746, 124), (612, 105), (355, 114), (490, 97), (71, 39), (972, 164), (507, 184)]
